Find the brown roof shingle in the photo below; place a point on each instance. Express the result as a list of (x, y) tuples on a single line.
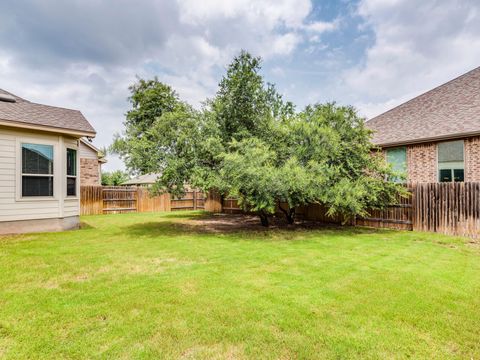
[(448, 111), (25, 112)]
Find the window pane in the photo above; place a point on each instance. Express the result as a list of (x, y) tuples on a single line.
[(451, 151), (71, 186), (458, 174), (37, 159), (398, 159), (71, 162), (37, 185), (445, 175)]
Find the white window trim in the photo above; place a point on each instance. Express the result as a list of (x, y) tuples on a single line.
[(77, 177), (437, 163), (19, 174)]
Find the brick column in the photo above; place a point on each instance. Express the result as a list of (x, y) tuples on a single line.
[(422, 163), (472, 159), (89, 174)]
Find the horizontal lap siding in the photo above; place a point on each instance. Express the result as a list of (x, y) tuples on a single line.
[(7, 176), (10, 208), (87, 152), (71, 207)]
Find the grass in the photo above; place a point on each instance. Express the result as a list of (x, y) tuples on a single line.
[(150, 286)]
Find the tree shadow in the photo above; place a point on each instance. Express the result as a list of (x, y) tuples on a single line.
[(240, 226)]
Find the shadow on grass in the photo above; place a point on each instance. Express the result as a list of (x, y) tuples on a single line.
[(85, 226), (243, 227), (187, 214)]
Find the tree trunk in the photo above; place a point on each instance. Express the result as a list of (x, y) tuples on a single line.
[(263, 218), (289, 214)]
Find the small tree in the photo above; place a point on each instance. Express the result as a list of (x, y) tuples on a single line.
[(114, 178)]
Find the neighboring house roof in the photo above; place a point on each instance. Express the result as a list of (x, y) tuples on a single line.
[(451, 110), (100, 155), (18, 112), (146, 179)]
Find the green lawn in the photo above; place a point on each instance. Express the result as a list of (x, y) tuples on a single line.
[(151, 286)]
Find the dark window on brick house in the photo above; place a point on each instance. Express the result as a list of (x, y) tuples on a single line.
[(451, 161)]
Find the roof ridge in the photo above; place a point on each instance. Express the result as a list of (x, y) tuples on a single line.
[(424, 93)]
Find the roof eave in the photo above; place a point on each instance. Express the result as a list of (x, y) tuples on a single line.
[(91, 146), (73, 132), (429, 139)]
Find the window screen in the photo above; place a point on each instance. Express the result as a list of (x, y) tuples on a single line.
[(37, 170), (37, 159)]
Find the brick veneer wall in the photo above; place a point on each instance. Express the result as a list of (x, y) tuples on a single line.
[(89, 172), (422, 162), (472, 159)]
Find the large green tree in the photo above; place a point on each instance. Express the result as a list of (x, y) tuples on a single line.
[(161, 136), (249, 143)]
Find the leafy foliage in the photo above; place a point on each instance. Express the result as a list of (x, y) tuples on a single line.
[(249, 143), (138, 147), (114, 178)]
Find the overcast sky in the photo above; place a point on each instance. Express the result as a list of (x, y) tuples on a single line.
[(373, 54)]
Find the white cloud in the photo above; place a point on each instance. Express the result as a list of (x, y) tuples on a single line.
[(267, 14), (84, 55), (322, 26), (418, 45), (284, 44)]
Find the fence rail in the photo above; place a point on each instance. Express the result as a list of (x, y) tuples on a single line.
[(96, 200)]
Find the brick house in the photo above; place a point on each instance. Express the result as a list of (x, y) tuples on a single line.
[(91, 160), (434, 137)]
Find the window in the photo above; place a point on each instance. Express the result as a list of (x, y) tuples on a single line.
[(37, 170), (450, 161), (71, 172), (397, 157)]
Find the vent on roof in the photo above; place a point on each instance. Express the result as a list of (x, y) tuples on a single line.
[(7, 98)]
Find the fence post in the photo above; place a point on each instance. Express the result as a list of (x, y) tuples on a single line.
[(213, 202), (194, 200)]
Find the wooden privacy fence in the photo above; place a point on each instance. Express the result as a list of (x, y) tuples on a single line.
[(96, 200), (448, 208), (398, 216)]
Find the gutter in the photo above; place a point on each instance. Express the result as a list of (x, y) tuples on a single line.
[(430, 139)]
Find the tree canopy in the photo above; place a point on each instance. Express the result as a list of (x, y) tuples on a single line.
[(114, 178), (248, 142)]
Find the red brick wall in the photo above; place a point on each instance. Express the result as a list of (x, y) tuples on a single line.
[(422, 162), (472, 159), (89, 172)]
